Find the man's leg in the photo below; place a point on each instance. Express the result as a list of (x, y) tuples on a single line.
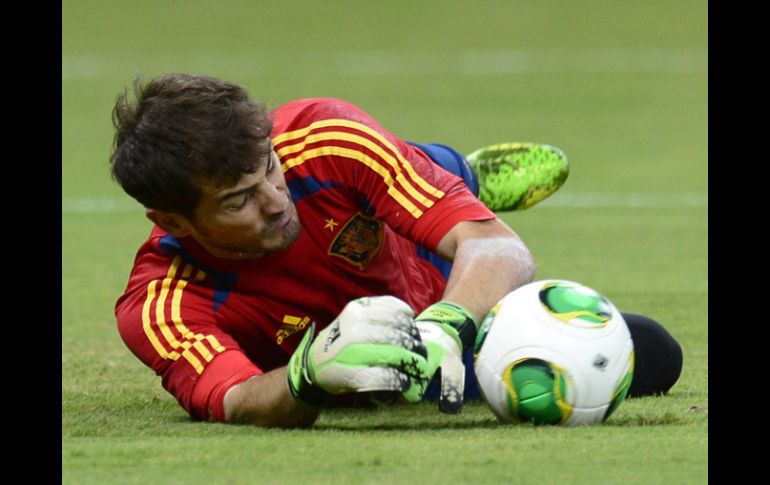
[(515, 176), (658, 356), (505, 176), (451, 161)]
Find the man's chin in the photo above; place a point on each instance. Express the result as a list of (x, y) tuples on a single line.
[(290, 236), (282, 242)]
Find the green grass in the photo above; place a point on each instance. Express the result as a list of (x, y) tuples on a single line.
[(620, 86), (396, 445)]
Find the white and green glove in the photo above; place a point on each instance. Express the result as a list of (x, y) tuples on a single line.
[(372, 345), (447, 329)]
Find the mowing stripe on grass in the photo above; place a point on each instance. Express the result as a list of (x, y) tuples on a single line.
[(468, 62), (109, 205), (626, 201), (94, 205)]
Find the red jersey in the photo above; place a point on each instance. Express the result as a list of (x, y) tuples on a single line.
[(366, 200)]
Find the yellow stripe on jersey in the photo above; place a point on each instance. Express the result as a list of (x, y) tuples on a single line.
[(400, 160), (176, 317), (408, 166), (290, 135), (366, 160), (215, 343), (211, 338), (160, 305), (187, 271), (147, 324), (189, 338), (160, 318), (366, 142)]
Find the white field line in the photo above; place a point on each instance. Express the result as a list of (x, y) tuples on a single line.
[(107, 205), (469, 62), (98, 205), (626, 201)]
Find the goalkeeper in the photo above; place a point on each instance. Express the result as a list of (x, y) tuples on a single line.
[(307, 255)]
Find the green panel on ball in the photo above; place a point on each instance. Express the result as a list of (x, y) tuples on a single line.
[(536, 392), (568, 301)]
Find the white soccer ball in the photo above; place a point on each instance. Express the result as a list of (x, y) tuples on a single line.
[(554, 352)]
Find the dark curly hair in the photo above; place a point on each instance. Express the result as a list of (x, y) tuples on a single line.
[(183, 130)]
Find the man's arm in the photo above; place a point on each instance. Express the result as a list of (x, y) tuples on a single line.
[(372, 345), (490, 261), (265, 400)]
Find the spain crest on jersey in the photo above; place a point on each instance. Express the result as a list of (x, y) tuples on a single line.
[(358, 241)]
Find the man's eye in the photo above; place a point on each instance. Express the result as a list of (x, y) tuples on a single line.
[(243, 202)]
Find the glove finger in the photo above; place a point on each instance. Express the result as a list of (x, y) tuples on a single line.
[(386, 335), (416, 389), (436, 355), (381, 310), (420, 349), (412, 392), (383, 355), (412, 368), (396, 320), (388, 303), (377, 306), (341, 379), (354, 357), (368, 379), (452, 384)]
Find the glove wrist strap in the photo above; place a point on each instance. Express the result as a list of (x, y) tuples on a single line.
[(453, 315), (300, 385)]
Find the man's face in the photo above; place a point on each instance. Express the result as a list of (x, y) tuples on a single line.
[(252, 218)]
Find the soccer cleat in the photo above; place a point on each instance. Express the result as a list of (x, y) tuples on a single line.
[(515, 176)]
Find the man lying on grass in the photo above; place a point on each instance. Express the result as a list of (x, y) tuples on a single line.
[(306, 255)]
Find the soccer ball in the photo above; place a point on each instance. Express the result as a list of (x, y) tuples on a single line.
[(554, 352)]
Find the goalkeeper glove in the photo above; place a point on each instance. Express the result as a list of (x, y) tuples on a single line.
[(446, 330), (372, 345)]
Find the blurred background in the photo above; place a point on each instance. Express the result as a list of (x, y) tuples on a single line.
[(620, 86)]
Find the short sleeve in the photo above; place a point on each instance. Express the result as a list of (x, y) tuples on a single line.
[(333, 142), (168, 322)]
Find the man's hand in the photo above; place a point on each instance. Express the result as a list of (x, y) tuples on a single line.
[(373, 345), (446, 330)]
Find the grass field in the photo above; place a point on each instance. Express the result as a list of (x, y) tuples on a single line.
[(621, 86)]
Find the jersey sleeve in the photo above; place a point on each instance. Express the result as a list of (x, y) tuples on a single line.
[(330, 141), (167, 320)]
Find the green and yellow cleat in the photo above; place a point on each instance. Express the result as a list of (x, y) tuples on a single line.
[(515, 176)]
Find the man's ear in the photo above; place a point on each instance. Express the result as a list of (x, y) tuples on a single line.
[(174, 224)]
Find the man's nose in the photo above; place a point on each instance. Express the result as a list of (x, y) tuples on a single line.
[(273, 200)]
